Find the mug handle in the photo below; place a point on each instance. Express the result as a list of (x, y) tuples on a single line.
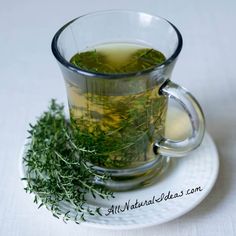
[(172, 148)]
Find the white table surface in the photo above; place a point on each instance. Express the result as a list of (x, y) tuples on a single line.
[(29, 77)]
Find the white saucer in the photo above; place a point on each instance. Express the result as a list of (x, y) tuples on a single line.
[(199, 169)]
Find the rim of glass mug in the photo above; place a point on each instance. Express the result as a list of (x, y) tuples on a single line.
[(70, 66)]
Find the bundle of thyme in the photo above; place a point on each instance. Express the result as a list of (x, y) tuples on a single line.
[(57, 168)]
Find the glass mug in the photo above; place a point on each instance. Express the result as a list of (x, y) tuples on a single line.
[(125, 114)]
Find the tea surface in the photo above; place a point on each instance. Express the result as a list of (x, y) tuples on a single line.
[(118, 58)]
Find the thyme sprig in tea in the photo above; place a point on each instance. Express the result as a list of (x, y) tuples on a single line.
[(122, 114), (102, 61), (56, 165)]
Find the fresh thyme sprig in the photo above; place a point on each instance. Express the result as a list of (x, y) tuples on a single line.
[(97, 61), (56, 166)]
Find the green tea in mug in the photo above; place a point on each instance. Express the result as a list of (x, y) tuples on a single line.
[(121, 127)]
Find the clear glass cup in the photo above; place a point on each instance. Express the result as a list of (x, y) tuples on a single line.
[(133, 150)]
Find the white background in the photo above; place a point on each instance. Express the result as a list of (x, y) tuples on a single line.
[(30, 76)]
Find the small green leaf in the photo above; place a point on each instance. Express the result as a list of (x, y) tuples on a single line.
[(56, 216), (40, 205), (98, 210)]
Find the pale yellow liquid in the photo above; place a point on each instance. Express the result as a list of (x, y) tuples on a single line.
[(125, 125)]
